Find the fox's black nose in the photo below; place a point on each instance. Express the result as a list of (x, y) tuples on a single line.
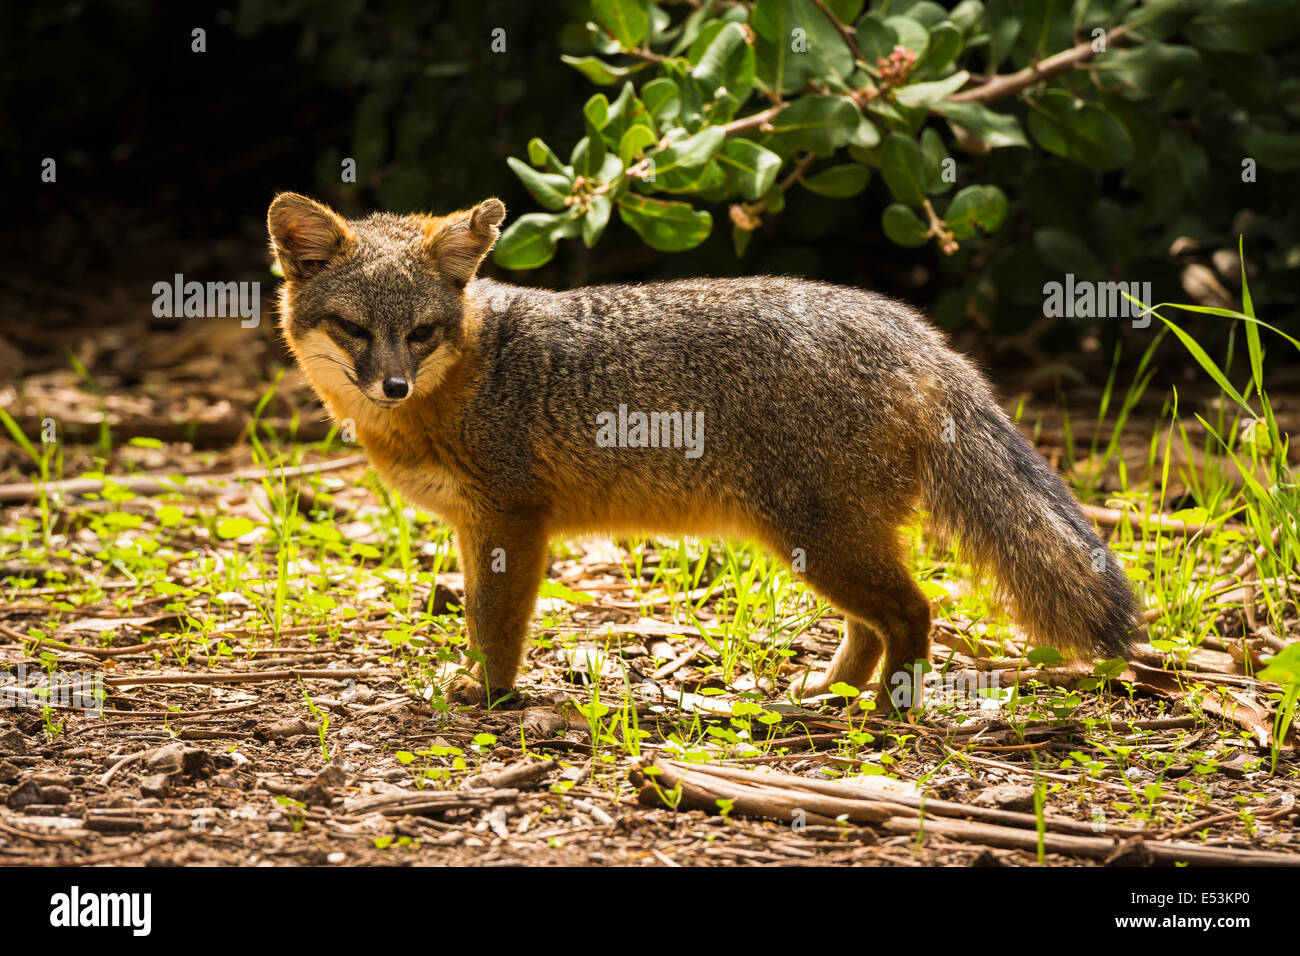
[(395, 387)]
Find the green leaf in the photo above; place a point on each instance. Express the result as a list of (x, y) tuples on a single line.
[(967, 14), (727, 63), (1044, 657), (1066, 252), (979, 129), (937, 162), (529, 242), (1243, 26), (600, 72), (1149, 70), (624, 114), (169, 516), (1284, 667), (689, 153), (846, 11), (875, 38), (662, 99), (976, 206), (541, 156), (797, 43), (1079, 131), (228, 528), (636, 140), (903, 227), (749, 167), (626, 20), (549, 189), (911, 34), (945, 43), (918, 95), (596, 111), (554, 589), (904, 169), (1003, 24), (740, 240), (839, 182), (866, 136), (666, 226), (819, 124), (1273, 149), (595, 219)]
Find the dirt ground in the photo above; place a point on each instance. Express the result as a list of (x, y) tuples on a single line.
[(227, 744)]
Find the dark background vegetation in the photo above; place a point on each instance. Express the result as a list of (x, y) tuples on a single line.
[(168, 159)]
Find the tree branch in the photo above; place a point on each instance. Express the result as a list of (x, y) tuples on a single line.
[(1001, 87), (850, 35)]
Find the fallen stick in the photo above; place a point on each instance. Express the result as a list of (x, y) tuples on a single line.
[(194, 485), (522, 774), (38, 837), (1111, 517), (702, 787), (429, 800), (252, 678), (1096, 848), (909, 801), (103, 652), (702, 791), (144, 847)]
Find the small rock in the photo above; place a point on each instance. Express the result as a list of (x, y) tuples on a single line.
[(155, 786), (8, 772), (443, 596), (24, 795), (166, 760), (56, 795), (336, 857), (1239, 765), (1007, 796), (286, 728), (333, 776), (227, 780), (12, 742)]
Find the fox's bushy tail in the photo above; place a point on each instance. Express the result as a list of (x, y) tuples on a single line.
[(1016, 521)]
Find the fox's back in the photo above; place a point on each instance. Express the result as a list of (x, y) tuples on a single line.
[(761, 370)]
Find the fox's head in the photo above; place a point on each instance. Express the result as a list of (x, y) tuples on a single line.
[(375, 307)]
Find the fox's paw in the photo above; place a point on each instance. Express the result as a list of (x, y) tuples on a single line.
[(811, 686), (468, 691)]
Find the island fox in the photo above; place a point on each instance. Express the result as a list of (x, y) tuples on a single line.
[(813, 418)]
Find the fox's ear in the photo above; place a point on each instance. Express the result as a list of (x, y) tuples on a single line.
[(458, 243), (305, 235)]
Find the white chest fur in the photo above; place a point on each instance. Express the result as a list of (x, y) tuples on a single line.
[(426, 485)]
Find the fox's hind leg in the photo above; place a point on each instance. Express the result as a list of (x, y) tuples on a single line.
[(887, 613), (855, 659)]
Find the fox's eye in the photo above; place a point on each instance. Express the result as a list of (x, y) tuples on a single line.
[(352, 329), (421, 333)]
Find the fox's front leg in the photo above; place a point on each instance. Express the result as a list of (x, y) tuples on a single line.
[(504, 560)]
